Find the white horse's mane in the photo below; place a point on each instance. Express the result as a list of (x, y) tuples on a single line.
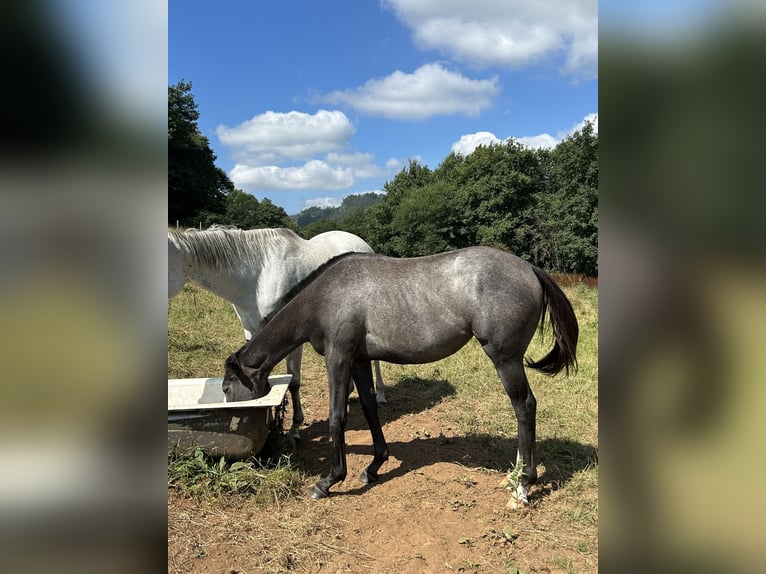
[(224, 248)]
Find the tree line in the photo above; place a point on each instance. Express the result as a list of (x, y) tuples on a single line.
[(541, 204)]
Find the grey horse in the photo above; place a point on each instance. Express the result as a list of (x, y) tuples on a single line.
[(362, 307)]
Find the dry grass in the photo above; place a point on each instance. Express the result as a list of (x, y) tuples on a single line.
[(455, 431), (276, 541), (203, 330)]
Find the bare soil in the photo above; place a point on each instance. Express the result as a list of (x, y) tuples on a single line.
[(438, 507)]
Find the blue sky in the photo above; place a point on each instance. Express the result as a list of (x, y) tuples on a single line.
[(307, 102)]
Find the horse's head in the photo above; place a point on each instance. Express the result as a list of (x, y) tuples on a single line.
[(242, 383)]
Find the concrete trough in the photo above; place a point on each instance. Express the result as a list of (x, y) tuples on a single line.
[(198, 415)]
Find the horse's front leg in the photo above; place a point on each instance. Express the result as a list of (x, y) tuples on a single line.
[(339, 377), (362, 374), (293, 361)]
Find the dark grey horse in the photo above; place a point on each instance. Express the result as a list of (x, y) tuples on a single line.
[(362, 307)]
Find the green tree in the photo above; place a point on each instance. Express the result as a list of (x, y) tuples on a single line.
[(272, 215), (246, 212), (318, 227), (358, 201), (566, 214), (242, 210), (497, 185), (540, 204), (313, 214), (426, 221), (379, 219), (196, 185)]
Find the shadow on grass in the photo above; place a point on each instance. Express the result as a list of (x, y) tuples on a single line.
[(409, 395), (562, 458)]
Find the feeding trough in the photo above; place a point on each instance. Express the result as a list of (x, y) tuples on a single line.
[(198, 415)]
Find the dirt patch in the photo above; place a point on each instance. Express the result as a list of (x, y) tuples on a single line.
[(437, 508)]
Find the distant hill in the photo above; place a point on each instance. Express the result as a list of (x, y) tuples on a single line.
[(349, 205)]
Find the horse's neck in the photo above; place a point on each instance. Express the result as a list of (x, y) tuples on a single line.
[(290, 328), (241, 282), (229, 286)]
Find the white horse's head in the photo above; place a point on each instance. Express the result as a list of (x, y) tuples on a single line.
[(176, 275)]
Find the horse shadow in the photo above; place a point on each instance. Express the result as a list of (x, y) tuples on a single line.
[(410, 395), (562, 458)]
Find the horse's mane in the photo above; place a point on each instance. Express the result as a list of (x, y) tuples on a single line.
[(225, 248), (309, 279)]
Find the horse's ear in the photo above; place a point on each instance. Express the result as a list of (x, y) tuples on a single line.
[(232, 360)]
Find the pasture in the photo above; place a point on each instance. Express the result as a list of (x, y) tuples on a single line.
[(438, 507)]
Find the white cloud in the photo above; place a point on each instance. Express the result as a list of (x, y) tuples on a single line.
[(469, 142), (266, 147), (590, 118), (429, 91), (362, 165), (539, 141), (272, 136), (548, 141), (314, 174), (349, 159), (323, 202), (508, 33)]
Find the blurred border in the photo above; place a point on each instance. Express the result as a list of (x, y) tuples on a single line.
[(683, 286), (83, 171)]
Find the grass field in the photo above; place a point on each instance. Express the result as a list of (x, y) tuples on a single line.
[(456, 403)]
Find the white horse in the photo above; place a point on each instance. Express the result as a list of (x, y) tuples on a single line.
[(253, 270)]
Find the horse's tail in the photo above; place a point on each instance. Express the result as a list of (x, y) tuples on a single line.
[(565, 328)]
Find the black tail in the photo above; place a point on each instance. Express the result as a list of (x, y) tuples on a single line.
[(565, 328)]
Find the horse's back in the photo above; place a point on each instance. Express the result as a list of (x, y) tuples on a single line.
[(472, 271), (336, 242)]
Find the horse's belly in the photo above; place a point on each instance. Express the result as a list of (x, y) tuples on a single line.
[(414, 348)]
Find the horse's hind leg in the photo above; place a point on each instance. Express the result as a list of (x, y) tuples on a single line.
[(380, 388), (293, 361), (515, 382), (362, 374), (380, 393)]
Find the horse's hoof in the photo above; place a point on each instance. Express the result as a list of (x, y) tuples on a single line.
[(317, 493), (368, 477), (519, 498), (515, 504)]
